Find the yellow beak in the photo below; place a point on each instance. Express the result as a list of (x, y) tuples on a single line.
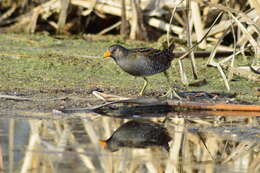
[(107, 54), (103, 143)]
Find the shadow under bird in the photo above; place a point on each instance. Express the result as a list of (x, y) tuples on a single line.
[(142, 62), (138, 134)]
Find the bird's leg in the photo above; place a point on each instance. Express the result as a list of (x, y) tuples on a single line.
[(171, 92), (144, 86)]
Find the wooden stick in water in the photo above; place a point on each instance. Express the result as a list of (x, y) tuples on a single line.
[(213, 106)]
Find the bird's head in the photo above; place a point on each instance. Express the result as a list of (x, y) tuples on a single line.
[(116, 52), (109, 145)]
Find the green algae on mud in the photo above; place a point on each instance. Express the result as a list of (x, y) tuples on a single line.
[(37, 62)]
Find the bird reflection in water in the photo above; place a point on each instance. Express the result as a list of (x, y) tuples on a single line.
[(138, 134)]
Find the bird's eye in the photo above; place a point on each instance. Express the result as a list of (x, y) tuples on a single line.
[(113, 51)]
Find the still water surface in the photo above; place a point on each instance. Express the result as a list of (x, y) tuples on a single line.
[(49, 142)]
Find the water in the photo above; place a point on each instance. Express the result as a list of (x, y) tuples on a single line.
[(34, 141)]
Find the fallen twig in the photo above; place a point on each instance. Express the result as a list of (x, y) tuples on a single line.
[(17, 98), (243, 73), (8, 13), (108, 97)]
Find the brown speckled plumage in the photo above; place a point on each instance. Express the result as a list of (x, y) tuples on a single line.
[(142, 61)]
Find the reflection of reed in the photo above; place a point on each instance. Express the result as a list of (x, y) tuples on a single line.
[(1, 160), (71, 144), (11, 130), (31, 160), (173, 161)]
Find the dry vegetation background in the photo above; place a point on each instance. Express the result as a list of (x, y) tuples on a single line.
[(146, 19), (218, 25)]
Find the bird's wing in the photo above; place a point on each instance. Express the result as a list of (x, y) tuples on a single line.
[(147, 52)]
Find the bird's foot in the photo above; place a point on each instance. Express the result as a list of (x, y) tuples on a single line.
[(171, 93)]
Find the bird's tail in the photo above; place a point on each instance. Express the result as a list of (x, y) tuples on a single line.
[(169, 51), (171, 47)]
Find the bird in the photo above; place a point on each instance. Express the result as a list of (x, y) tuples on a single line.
[(142, 62), (138, 134)]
